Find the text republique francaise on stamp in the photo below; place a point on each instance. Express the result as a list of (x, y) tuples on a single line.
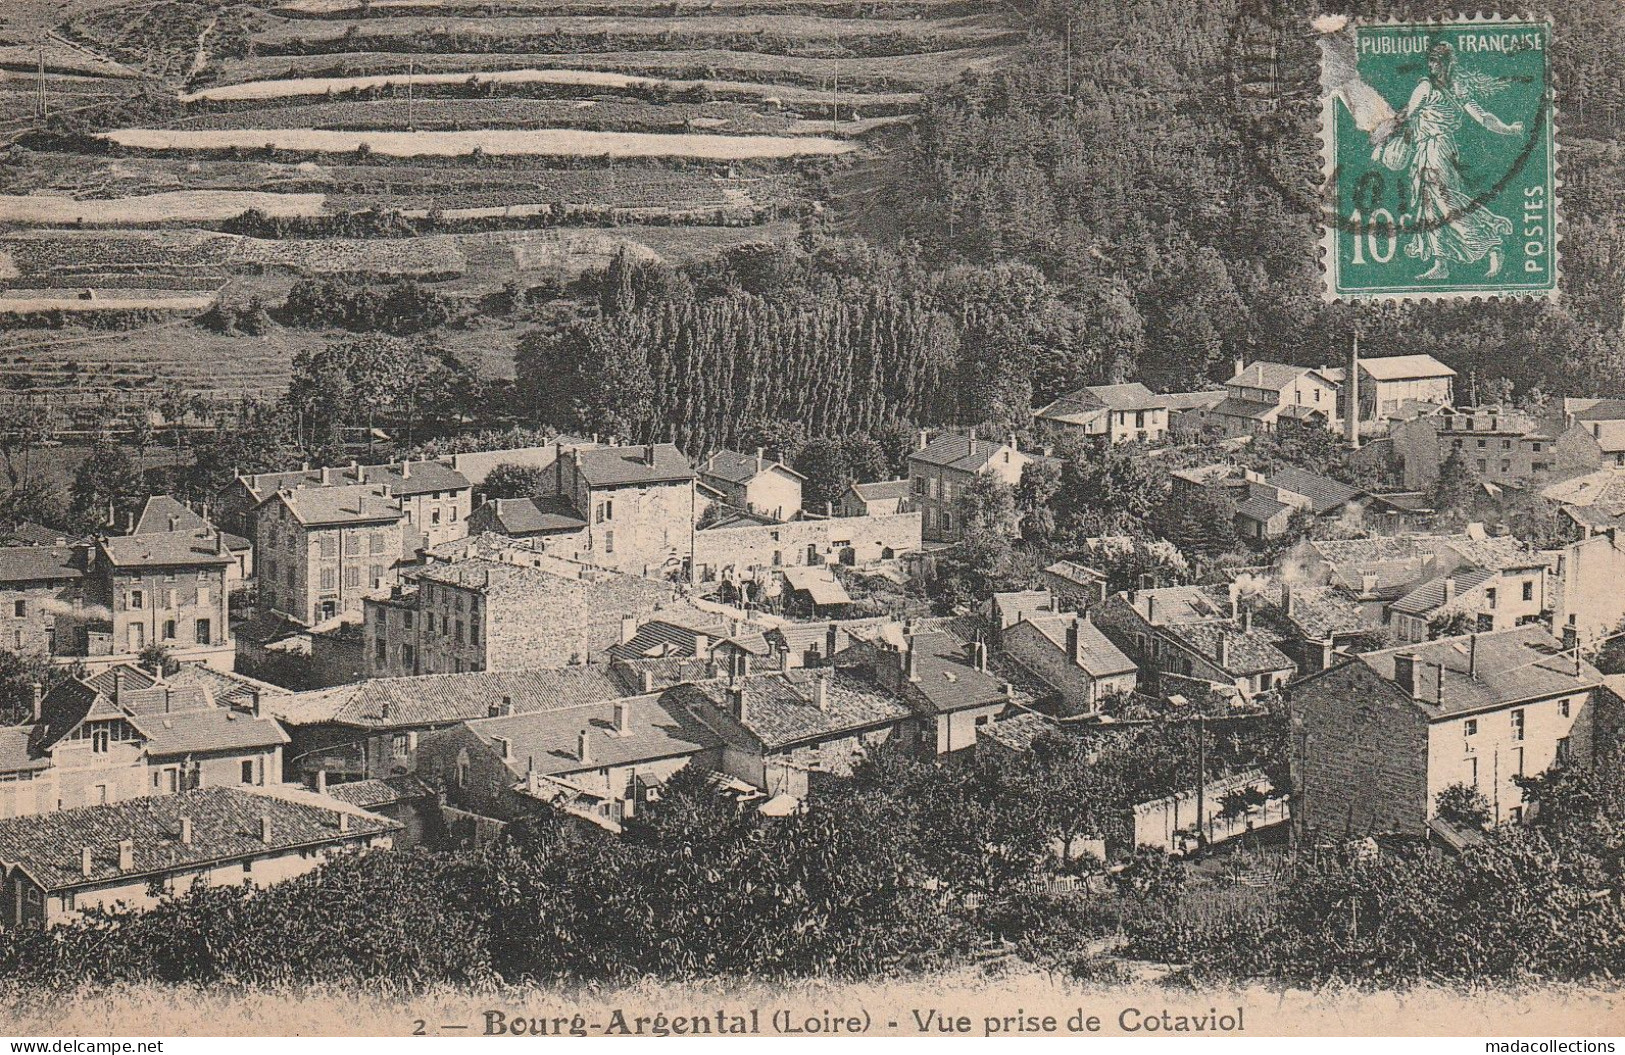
[(1439, 159)]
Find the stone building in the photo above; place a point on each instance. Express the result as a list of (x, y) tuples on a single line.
[(321, 550), (639, 504), (940, 469), (166, 589), (41, 605), (761, 485)]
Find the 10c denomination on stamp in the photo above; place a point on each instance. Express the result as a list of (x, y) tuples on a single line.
[(1440, 160)]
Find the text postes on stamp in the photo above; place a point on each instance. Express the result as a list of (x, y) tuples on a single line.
[(1440, 161)]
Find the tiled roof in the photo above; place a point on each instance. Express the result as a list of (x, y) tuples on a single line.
[(947, 679), (1604, 489), (227, 689), (1603, 410), (226, 825), (1018, 732), (1073, 571), (734, 518), (1497, 553), (31, 564), (1075, 409), (674, 636), (1096, 653), (29, 533), (202, 731), (818, 583), (663, 672), (1194, 400), (1232, 407), (439, 699), (953, 450), (413, 478), (1180, 604), (882, 490), (1273, 376), (1429, 596), (1324, 493), (489, 576), (658, 727), (67, 704), (738, 468), (1205, 474), (781, 708), (16, 751), (163, 513), (1249, 651), (354, 504), (164, 549), (1523, 663), (1404, 367), (1128, 397), (621, 466), (1320, 612), (370, 794), (1260, 508), (535, 516)]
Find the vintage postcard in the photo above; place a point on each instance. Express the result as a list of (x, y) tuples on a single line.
[(561, 519)]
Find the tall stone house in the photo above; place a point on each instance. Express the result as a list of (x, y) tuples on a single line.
[(639, 504), (940, 469), (320, 551), (165, 589)]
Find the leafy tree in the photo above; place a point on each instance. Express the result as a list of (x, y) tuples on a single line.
[(986, 504), (1463, 805), (106, 481), (159, 659), (508, 480)]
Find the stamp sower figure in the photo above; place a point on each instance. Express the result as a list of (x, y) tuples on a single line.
[(1448, 226)]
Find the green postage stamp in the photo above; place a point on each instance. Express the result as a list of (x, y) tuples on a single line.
[(1439, 159)]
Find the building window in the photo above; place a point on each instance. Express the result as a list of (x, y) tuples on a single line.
[(204, 632), (352, 576), (375, 575), (1517, 724), (434, 517), (1563, 707), (458, 636), (409, 657), (451, 514), (408, 617), (19, 609), (1517, 761), (1482, 444), (169, 629), (1472, 771), (375, 542), (330, 578), (1489, 598), (352, 544), (137, 600), (330, 547), (1471, 727), (1563, 749), (1515, 815), (380, 649), (399, 744), (609, 542), (248, 771), (100, 738)]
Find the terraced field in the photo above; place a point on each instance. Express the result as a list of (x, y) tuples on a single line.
[(508, 141)]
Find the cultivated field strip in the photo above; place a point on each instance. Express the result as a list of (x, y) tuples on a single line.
[(553, 142)]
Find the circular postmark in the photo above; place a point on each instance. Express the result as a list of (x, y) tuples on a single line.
[(1284, 71)]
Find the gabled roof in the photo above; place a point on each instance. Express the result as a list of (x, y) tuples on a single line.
[(202, 731), (1247, 651), (1271, 376), (882, 490), (818, 583), (1324, 493), (1126, 397), (1319, 612), (1602, 410), (1509, 666), (781, 708), (440, 699), (38, 564), (1096, 653), (1604, 488), (534, 516), (1179, 604), (1231, 407), (30, 533), (404, 478), (226, 825), (675, 635), (353, 504), (549, 741), (626, 466), (163, 513), (947, 679), (1404, 367), (737, 468), (1194, 400), (1260, 508), (370, 794), (953, 450), (166, 549), (1429, 597)]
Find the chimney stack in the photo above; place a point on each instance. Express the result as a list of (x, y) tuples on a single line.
[(38, 691), (1405, 673), (406, 469), (186, 831), (702, 645), (1351, 386), (126, 855), (922, 440), (979, 656), (761, 458), (1072, 641), (1246, 620), (584, 747), (1223, 651), (507, 706), (646, 681), (344, 823), (118, 683), (737, 705), (321, 782), (649, 454), (327, 476), (1286, 598), (1151, 608), (87, 862), (832, 641), (1571, 643), (821, 692), (265, 828), (911, 666), (623, 717), (1449, 588), (1472, 655), (174, 522), (504, 745), (629, 628)]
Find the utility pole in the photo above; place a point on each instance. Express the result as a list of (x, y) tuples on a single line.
[(1201, 779)]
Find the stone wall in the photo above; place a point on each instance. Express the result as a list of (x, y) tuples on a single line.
[(835, 540)]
